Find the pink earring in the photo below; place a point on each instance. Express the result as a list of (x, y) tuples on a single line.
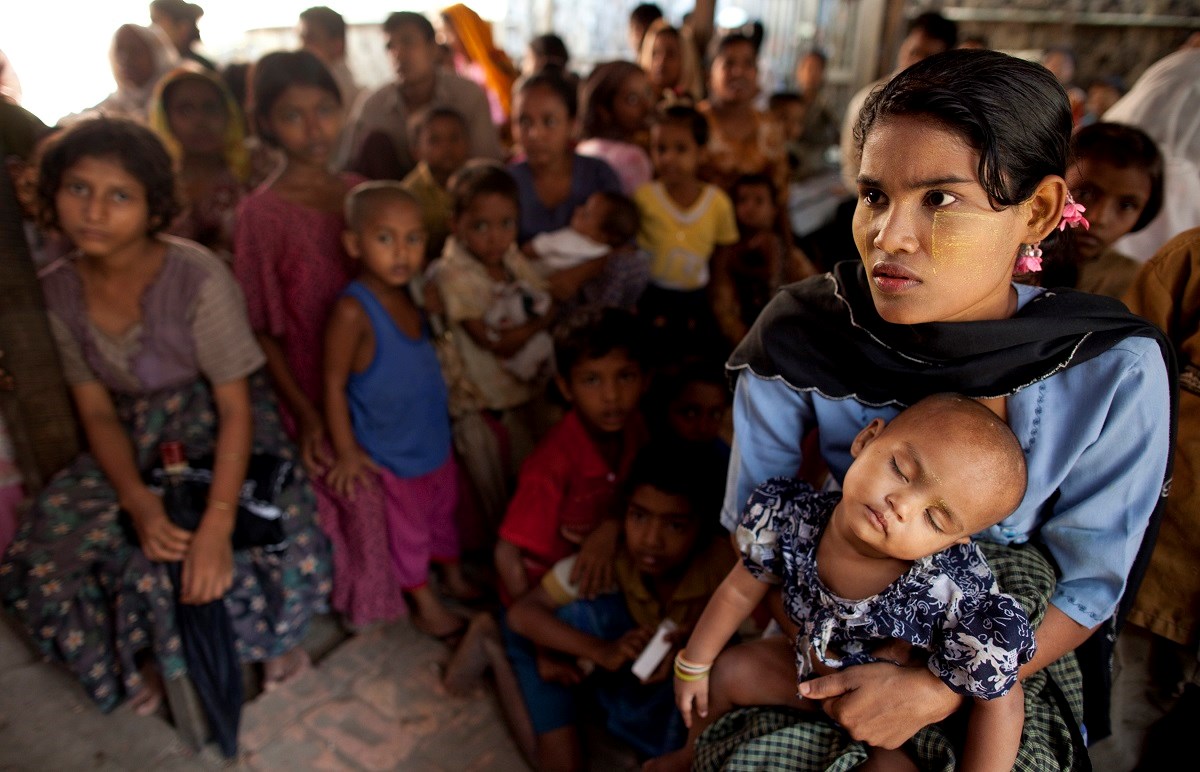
[(1029, 259)]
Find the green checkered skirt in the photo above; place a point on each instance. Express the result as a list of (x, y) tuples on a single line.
[(797, 741)]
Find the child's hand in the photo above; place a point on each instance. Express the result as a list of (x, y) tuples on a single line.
[(349, 470), (208, 567), (594, 568), (612, 655), (312, 444), (689, 694), (162, 541), (558, 671)]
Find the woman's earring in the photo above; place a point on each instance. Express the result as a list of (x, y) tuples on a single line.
[(1029, 258)]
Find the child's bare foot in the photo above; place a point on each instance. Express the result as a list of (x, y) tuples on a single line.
[(147, 700), (433, 618), (455, 585), (472, 657), (288, 666)]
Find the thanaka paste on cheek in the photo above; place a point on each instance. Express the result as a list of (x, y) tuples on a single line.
[(966, 241)]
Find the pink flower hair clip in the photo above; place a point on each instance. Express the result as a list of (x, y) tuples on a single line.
[(1072, 214)]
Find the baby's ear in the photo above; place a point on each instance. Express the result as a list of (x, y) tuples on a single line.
[(351, 243), (866, 436), (1045, 208)]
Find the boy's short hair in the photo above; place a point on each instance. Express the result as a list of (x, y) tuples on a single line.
[(400, 19), (686, 116), (435, 114), (367, 196), (1124, 147), (621, 220), (688, 470), (551, 47), (784, 98), (595, 333), (480, 177), (754, 180), (325, 19)]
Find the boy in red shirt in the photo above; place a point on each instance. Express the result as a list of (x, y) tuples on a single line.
[(569, 486)]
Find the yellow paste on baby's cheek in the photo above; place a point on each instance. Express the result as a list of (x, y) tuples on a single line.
[(966, 241)]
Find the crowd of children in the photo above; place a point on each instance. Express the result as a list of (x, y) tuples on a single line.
[(476, 322)]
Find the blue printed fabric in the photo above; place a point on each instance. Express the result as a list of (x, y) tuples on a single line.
[(947, 604)]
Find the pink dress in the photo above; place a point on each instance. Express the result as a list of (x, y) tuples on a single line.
[(629, 161), (291, 265)]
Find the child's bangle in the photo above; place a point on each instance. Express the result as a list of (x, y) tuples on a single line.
[(690, 671)]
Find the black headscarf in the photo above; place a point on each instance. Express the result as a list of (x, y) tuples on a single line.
[(824, 334)]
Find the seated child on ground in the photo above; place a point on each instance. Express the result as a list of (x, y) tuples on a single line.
[(442, 148), (668, 567), (1116, 175), (891, 553), (747, 275), (385, 400), (568, 485), (688, 402), (684, 221), (606, 221)]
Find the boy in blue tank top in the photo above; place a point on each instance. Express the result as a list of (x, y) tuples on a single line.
[(386, 401)]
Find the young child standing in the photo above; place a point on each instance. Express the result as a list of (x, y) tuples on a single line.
[(745, 276), (667, 568), (481, 268), (442, 148), (684, 221), (888, 558), (386, 403)]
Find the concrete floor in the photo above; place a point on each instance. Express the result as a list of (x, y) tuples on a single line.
[(374, 703)]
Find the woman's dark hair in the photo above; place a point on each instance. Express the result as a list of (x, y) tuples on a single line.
[(410, 18), (134, 147), (1123, 147), (598, 94), (554, 78), (755, 180), (1013, 112), (686, 116), (596, 333), (645, 14), (551, 48), (481, 177), (935, 26), (275, 73)]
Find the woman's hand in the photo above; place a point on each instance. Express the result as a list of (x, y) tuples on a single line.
[(162, 541), (312, 444), (612, 655), (689, 695), (594, 569), (882, 704), (350, 470), (208, 567)]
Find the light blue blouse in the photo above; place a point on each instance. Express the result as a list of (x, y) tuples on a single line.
[(1095, 434)]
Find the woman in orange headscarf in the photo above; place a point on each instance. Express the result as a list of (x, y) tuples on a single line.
[(476, 57)]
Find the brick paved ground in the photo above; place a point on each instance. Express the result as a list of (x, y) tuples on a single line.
[(374, 703)]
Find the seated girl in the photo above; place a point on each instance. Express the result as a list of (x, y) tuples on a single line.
[(154, 343), (615, 125)]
